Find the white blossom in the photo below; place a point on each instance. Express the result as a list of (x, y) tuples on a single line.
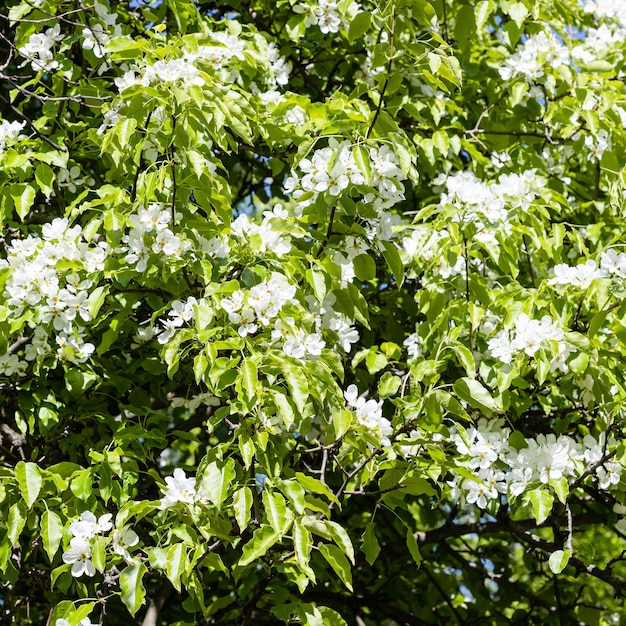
[(179, 489), (79, 555)]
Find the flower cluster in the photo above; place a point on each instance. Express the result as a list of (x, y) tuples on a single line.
[(95, 38), (598, 143), (598, 42), (343, 168), (612, 265), (221, 57), (413, 345), (179, 314), (47, 295), (369, 413), (502, 469), (489, 206), (295, 115), (73, 178), (150, 234), (531, 57), (296, 342), (278, 69), (173, 71), (259, 305), (9, 132), (98, 34), (606, 9), (371, 175), (229, 47), (39, 49), (84, 530), (488, 203), (580, 276), (528, 336), (327, 318), (263, 236), (424, 242), (327, 14), (181, 489)]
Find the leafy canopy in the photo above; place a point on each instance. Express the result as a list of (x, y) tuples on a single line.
[(312, 312)]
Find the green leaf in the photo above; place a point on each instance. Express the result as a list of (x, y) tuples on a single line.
[(337, 560), (466, 358), (277, 513), (157, 557), (124, 130), (472, 392), (249, 379), (518, 13), (586, 552), (596, 323), (330, 617), (315, 486), (175, 563), (247, 449), (294, 491), (561, 488), (98, 552), (394, 262), (200, 365), (217, 480), (416, 486), (369, 543), (16, 521), (364, 267), (133, 591), (375, 361), (302, 545), (298, 385), (558, 560), (541, 501), (79, 614), (342, 420), (414, 550), (96, 300), (600, 65), (359, 26), (389, 385), (341, 538), (45, 178), (262, 540), (242, 504), (451, 404), (30, 481), (81, 484), (51, 533), (284, 408), (362, 159), (23, 197)]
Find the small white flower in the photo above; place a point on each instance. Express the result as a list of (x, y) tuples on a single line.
[(122, 540), (179, 489), (88, 525), (79, 555)]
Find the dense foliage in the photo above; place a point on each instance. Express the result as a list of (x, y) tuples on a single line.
[(312, 312)]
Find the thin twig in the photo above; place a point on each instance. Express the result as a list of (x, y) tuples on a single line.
[(384, 89), (32, 126)]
